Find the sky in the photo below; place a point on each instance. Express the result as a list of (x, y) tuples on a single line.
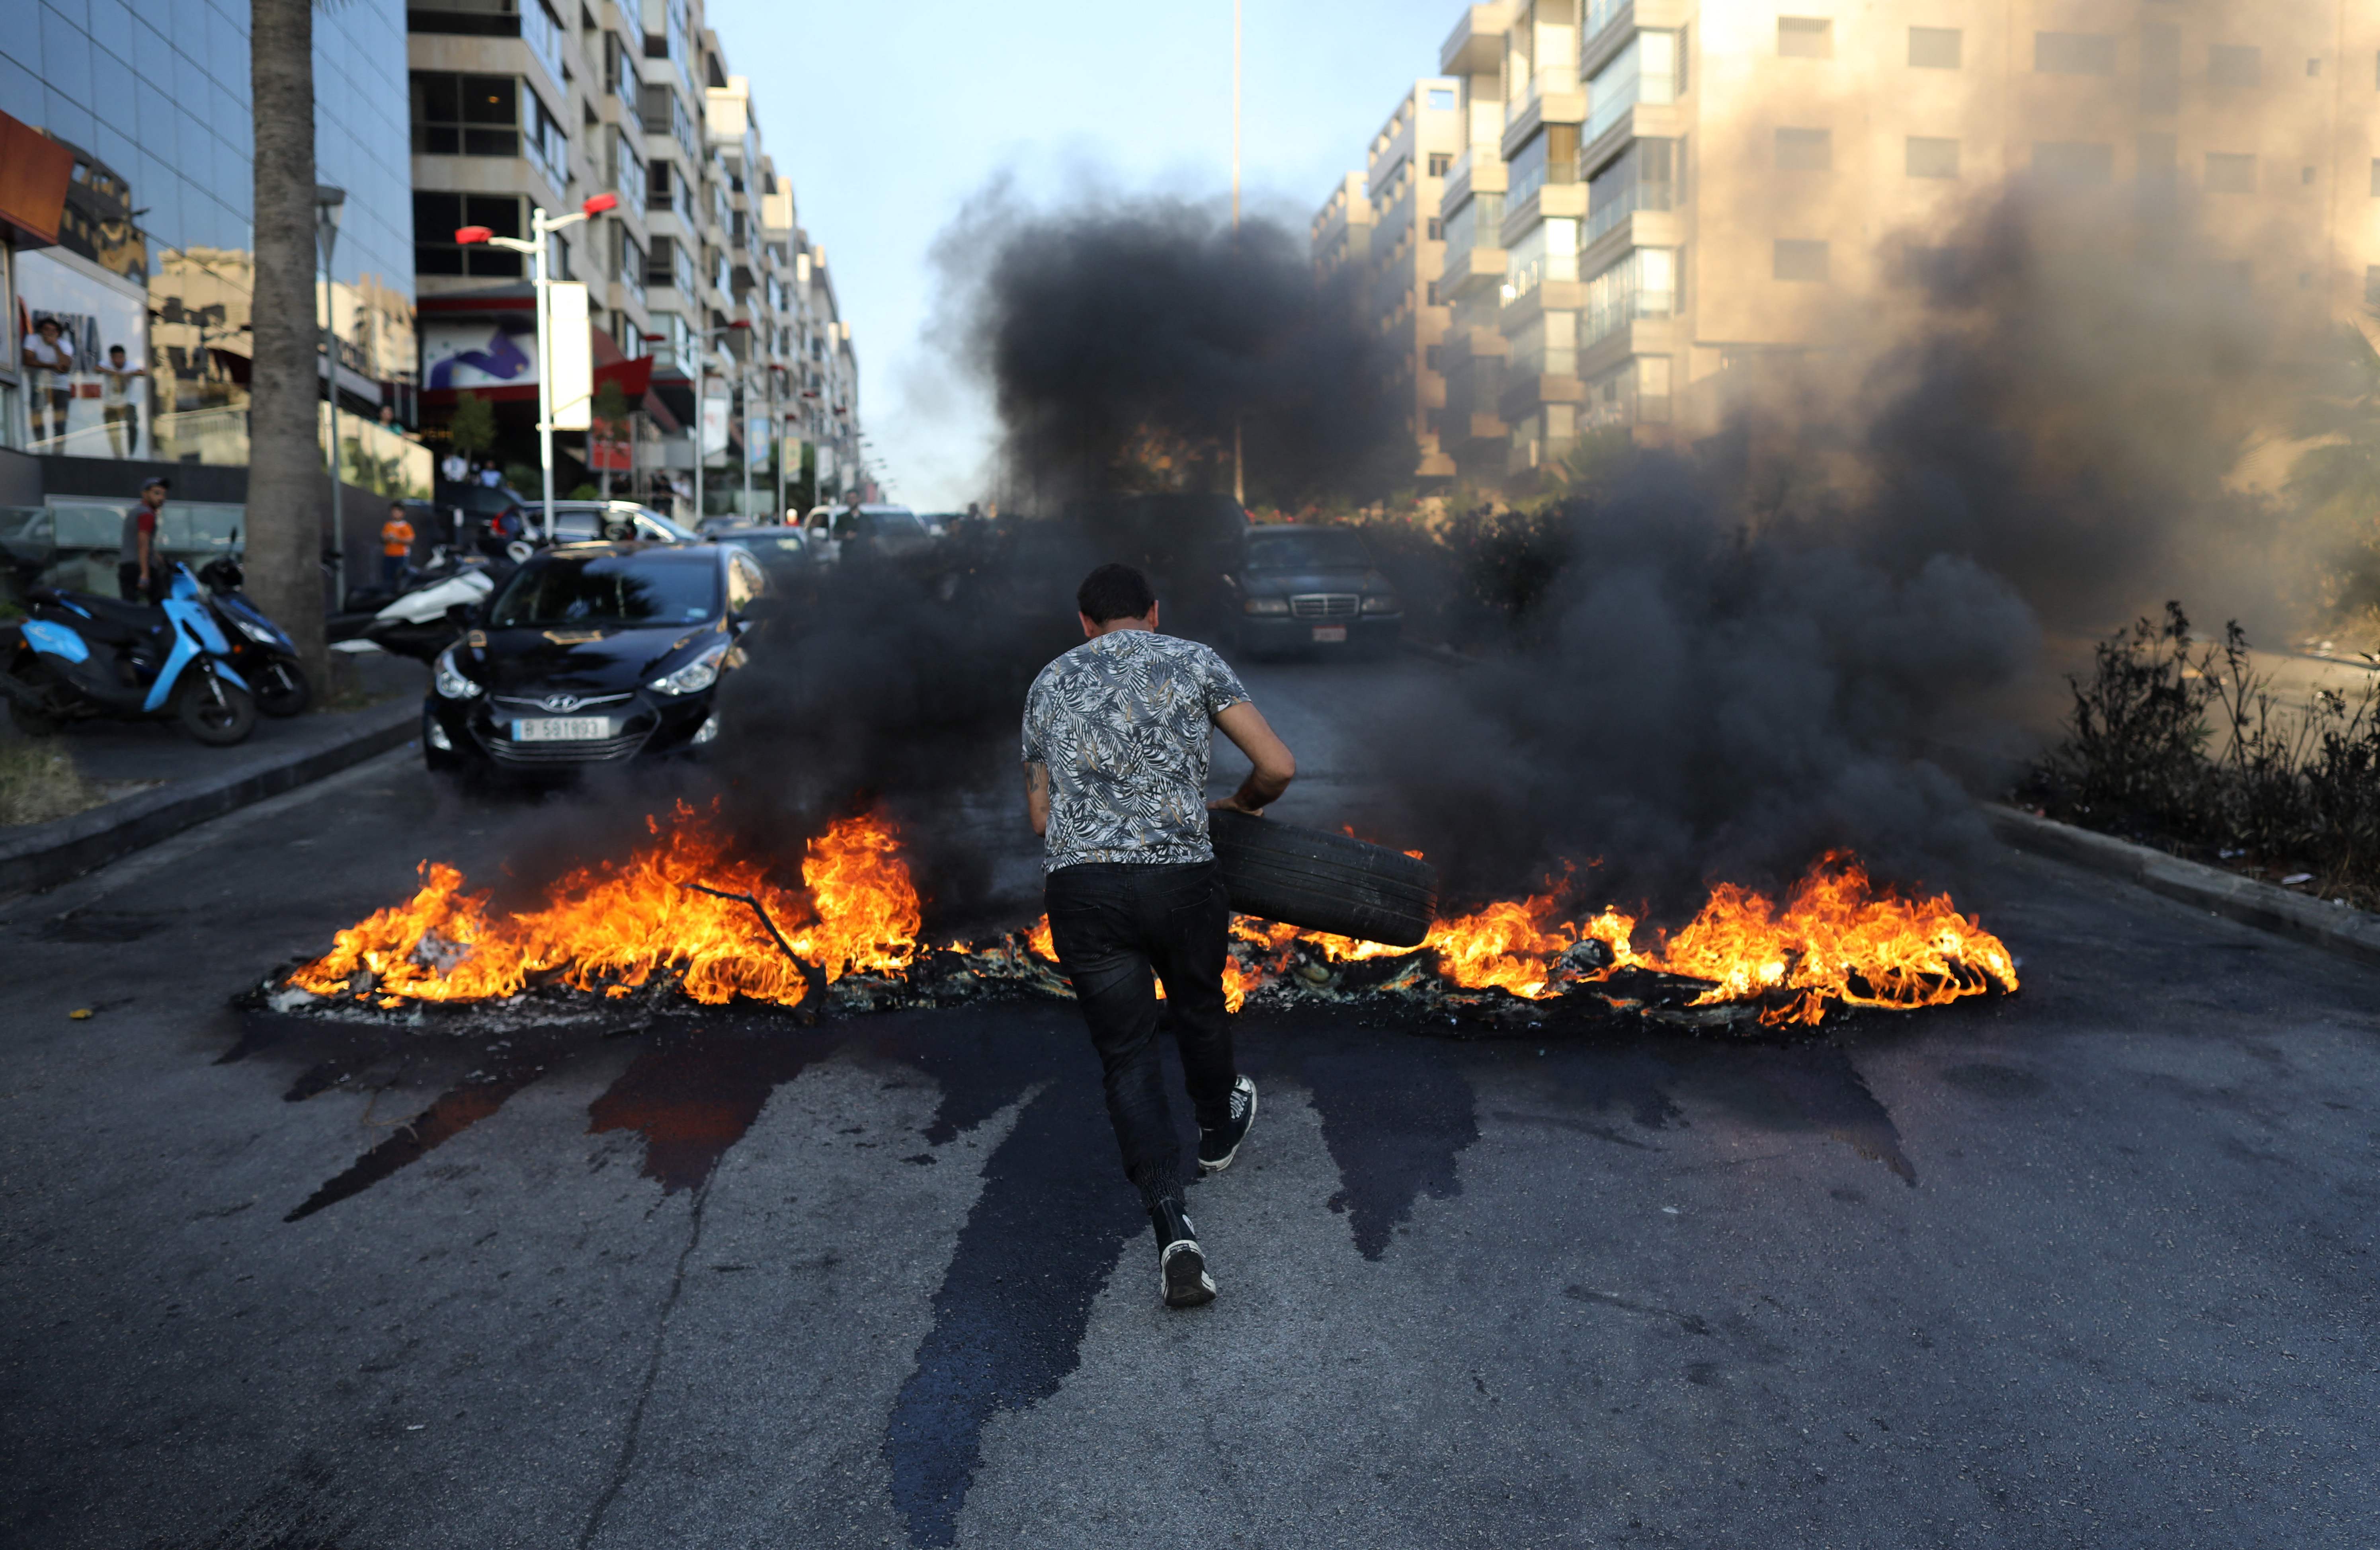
[(889, 119)]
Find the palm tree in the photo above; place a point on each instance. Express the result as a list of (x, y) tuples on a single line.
[(284, 459), (2339, 480)]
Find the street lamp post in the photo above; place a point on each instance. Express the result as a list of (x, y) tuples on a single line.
[(777, 443), (702, 373), (328, 204), (541, 226)]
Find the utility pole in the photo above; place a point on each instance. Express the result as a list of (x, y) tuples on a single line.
[(744, 380), (539, 228), (1239, 462)]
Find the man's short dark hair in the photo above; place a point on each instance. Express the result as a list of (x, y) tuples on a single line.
[(1114, 592), (157, 481)]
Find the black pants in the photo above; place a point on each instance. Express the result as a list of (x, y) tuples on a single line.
[(128, 581), (1114, 927)]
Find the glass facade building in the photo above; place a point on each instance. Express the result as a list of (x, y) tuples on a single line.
[(154, 253)]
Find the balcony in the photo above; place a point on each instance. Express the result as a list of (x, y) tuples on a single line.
[(1567, 105), (1475, 269), (1475, 48)]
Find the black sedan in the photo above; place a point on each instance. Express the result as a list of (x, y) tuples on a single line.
[(1310, 589), (591, 654)]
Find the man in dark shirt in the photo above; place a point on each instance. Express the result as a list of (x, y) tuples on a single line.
[(1116, 739), (139, 569)]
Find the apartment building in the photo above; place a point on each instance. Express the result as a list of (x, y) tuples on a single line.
[(1405, 249), (695, 279), (148, 253), (1652, 198)]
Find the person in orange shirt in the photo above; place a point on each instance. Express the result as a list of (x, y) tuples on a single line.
[(396, 544)]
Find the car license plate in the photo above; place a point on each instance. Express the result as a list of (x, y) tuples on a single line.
[(561, 729), (1329, 632)]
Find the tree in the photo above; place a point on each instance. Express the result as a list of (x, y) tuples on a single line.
[(609, 412), (2339, 479), (284, 457), (473, 428)]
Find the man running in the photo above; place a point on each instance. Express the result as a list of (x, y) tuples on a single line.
[(1116, 739)]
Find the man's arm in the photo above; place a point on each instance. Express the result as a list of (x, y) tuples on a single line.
[(148, 535), (1272, 765), (1036, 796)]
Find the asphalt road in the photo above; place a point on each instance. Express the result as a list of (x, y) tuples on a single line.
[(2089, 1266)]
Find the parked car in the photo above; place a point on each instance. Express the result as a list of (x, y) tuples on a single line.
[(1185, 542), (1303, 589), (784, 558), (607, 521), (594, 654), (865, 534)]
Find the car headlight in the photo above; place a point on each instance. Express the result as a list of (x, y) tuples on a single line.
[(1266, 605), (699, 673), (1383, 602), (449, 678)]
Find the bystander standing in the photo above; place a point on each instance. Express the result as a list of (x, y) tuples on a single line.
[(140, 568), (396, 544)]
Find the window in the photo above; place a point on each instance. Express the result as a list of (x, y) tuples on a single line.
[(1663, 67), (624, 171), (2076, 163), (1641, 178), (1933, 48), (2160, 161), (437, 217), (2231, 64), (2160, 67), (2074, 53), (628, 263), (1932, 158), (1477, 225), (2375, 178), (466, 116), (1437, 229), (1440, 99), (1802, 37), (1806, 151), (668, 264), (1438, 162), (2228, 173), (659, 179), (2314, 68), (543, 141), (1642, 284), (1804, 262), (1653, 387)]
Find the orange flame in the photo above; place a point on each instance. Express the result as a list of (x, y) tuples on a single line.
[(1838, 938), (611, 926)]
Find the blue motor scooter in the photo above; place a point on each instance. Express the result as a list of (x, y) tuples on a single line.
[(80, 656), (262, 651)]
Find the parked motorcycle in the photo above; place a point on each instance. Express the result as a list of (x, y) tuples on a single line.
[(260, 650), (81, 656), (429, 616)]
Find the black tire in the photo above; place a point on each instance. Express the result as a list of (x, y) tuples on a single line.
[(213, 711), (281, 688), (1324, 882)]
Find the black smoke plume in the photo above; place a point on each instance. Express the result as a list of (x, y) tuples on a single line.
[(1126, 344)]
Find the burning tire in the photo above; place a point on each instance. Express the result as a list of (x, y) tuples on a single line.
[(1323, 881)]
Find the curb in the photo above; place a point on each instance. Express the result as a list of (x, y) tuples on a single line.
[(2350, 933), (47, 855)]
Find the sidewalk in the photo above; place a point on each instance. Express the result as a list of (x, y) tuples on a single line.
[(166, 782)]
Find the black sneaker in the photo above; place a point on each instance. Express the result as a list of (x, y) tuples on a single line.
[(1180, 1265), (1217, 1147)]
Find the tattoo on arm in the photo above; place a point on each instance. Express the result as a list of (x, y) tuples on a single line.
[(1037, 779)]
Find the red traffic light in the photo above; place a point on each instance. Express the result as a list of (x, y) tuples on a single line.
[(469, 235), (601, 203)]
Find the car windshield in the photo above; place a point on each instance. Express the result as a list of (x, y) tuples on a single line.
[(897, 525), (590, 590), (1312, 550)]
